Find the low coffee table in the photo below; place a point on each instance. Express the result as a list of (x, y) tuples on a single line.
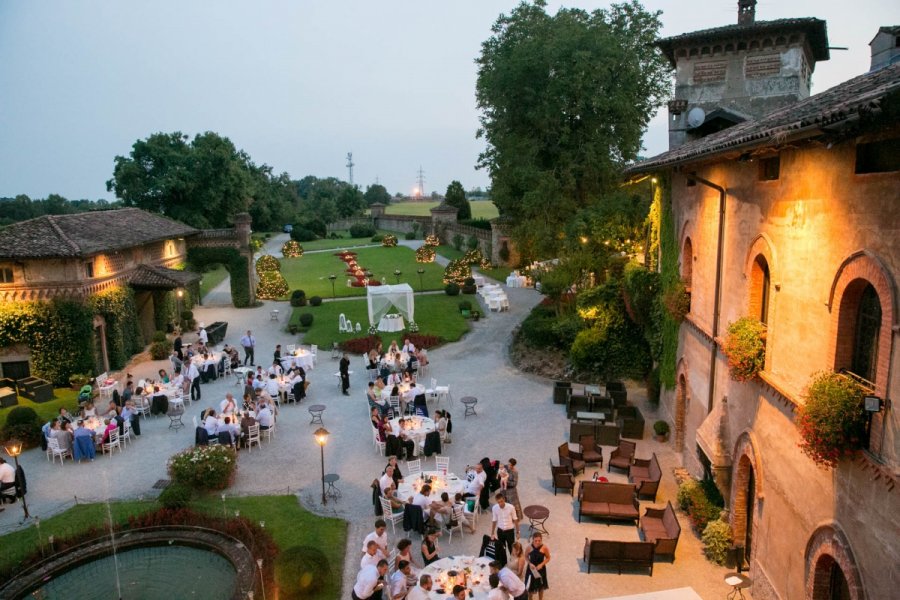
[(537, 517)]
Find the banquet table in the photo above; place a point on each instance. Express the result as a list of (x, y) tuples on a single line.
[(391, 322), (479, 280), (489, 288), (439, 483), (301, 358), (516, 281), (416, 429), (476, 571)]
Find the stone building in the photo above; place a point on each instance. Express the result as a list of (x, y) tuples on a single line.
[(788, 215), (75, 256)]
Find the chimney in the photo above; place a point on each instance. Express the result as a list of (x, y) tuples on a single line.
[(746, 12)]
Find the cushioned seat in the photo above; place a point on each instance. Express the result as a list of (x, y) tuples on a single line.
[(624, 511)]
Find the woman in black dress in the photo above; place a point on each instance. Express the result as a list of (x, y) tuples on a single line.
[(430, 548), (536, 574)]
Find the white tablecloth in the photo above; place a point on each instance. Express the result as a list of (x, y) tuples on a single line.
[(489, 288), (516, 281), (391, 323), (421, 427), (479, 280), (476, 576), (301, 357), (439, 484)]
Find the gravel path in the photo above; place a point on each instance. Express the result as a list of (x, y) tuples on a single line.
[(516, 418)]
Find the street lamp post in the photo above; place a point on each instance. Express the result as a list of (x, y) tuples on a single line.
[(13, 447), (321, 435), (421, 272), (331, 278), (397, 274)]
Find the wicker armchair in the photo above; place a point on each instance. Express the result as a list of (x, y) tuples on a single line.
[(562, 478), (591, 452), (631, 421), (570, 459), (623, 456)]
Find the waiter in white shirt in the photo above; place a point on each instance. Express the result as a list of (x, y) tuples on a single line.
[(249, 344), (193, 375), (509, 581), (204, 337), (504, 522), (421, 591), (369, 581)]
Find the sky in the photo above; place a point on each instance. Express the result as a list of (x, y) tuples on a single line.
[(297, 84)]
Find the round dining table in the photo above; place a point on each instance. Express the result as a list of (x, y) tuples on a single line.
[(416, 428), (300, 358), (471, 571), (440, 483)]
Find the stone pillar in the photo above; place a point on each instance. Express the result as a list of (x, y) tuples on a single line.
[(377, 210), (242, 231), (499, 239), (442, 216)]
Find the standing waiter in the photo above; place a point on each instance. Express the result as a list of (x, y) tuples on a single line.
[(345, 374), (249, 344)]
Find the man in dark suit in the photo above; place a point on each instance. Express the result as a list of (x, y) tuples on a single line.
[(345, 374)]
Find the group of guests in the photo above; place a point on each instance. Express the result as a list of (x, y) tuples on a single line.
[(391, 362), (67, 428), (234, 427)]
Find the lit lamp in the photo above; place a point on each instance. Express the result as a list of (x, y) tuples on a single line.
[(13, 447), (179, 294), (421, 272), (321, 435), (331, 278), (397, 274)]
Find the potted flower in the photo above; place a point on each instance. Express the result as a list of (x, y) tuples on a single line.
[(745, 347), (465, 307), (661, 429), (832, 422)]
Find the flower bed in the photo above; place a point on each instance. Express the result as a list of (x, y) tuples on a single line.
[(832, 423), (364, 344), (432, 240), (204, 467)]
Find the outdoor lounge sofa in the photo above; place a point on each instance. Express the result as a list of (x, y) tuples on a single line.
[(622, 456), (35, 389), (8, 395), (608, 501), (645, 475), (660, 526), (619, 554), (631, 421)]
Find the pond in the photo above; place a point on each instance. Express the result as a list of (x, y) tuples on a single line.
[(147, 573)]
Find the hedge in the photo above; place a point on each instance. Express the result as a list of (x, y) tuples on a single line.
[(234, 262), (123, 335)]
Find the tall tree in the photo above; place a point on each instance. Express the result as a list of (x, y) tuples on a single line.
[(565, 100), (377, 193), (456, 196)]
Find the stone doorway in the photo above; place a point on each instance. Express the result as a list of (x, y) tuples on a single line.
[(680, 411)]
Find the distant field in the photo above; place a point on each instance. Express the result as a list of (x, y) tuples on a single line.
[(481, 209)]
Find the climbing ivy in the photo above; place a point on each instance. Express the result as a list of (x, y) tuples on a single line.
[(123, 335), (236, 264), (670, 278)]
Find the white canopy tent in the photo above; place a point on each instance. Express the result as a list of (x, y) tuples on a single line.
[(382, 297)]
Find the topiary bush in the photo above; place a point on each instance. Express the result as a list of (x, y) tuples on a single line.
[(465, 305), (389, 241), (315, 301), (469, 286), (272, 285), (451, 289), (302, 234), (362, 230), (306, 319), (832, 422), (159, 350), (457, 241), (267, 263), (187, 320), (300, 572), (717, 538), (410, 235), (204, 467), (298, 298), (292, 249), (425, 254), (432, 240), (24, 424), (176, 495), (159, 336)]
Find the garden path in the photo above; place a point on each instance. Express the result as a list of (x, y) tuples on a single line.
[(515, 419)]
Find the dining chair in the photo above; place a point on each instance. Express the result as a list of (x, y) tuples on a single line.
[(379, 445), (53, 447), (414, 468), (389, 515), (442, 464), (252, 437), (459, 517), (112, 442)]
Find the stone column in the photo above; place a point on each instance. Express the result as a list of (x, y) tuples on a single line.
[(242, 231)]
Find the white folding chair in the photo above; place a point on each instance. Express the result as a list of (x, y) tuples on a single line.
[(269, 433), (55, 450), (414, 468), (379, 445), (443, 393), (394, 401), (314, 350), (252, 437), (127, 436), (459, 517), (290, 348), (389, 515), (442, 464), (113, 442), (431, 393)]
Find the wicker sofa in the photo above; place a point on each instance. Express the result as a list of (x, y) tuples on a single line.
[(631, 421), (619, 554), (607, 501), (645, 475), (660, 526)]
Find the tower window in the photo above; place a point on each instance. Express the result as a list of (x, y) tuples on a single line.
[(6, 275), (770, 168), (868, 326)]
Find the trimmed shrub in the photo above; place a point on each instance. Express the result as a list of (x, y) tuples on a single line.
[(300, 572), (377, 238), (717, 537), (24, 424), (362, 230), (187, 319), (21, 415), (267, 262), (315, 301), (159, 336), (457, 241), (425, 254), (457, 271), (298, 298), (306, 319), (472, 242), (302, 234), (469, 286), (204, 467), (701, 500), (292, 249), (176, 495), (389, 241), (410, 235), (272, 285), (159, 350), (451, 289)]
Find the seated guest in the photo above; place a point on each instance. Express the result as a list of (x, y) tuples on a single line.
[(430, 549), (7, 475), (211, 423), (128, 392), (132, 416), (372, 555), (258, 382), (176, 361), (247, 421), (249, 387), (397, 503), (232, 425), (248, 403), (265, 417), (387, 479), (468, 517), (408, 347), (276, 369), (443, 509), (398, 476), (298, 383), (163, 376), (227, 406), (63, 436), (273, 388), (399, 581), (378, 402), (404, 552), (88, 410), (407, 444), (394, 348), (422, 356), (378, 425), (379, 385), (179, 382), (65, 416), (260, 374), (394, 379), (111, 425), (112, 410), (372, 359), (423, 498), (234, 357)]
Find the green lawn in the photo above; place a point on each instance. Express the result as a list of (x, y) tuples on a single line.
[(64, 397), (436, 314), (212, 278), (345, 242), (288, 523), (310, 272), (481, 209)]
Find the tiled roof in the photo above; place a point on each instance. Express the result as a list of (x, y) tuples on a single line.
[(841, 104), (84, 234), (815, 30), (148, 276)]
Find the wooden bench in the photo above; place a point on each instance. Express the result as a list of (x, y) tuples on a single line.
[(660, 527), (645, 475), (619, 554), (608, 501)]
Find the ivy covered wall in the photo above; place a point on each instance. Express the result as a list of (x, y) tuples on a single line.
[(123, 335), (238, 268), (661, 212), (60, 334)]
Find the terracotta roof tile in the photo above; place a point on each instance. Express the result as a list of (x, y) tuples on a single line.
[(148, 276), (84, 234)]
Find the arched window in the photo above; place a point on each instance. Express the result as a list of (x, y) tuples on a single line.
[(687, 267), (760, 286), (868, 326)]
